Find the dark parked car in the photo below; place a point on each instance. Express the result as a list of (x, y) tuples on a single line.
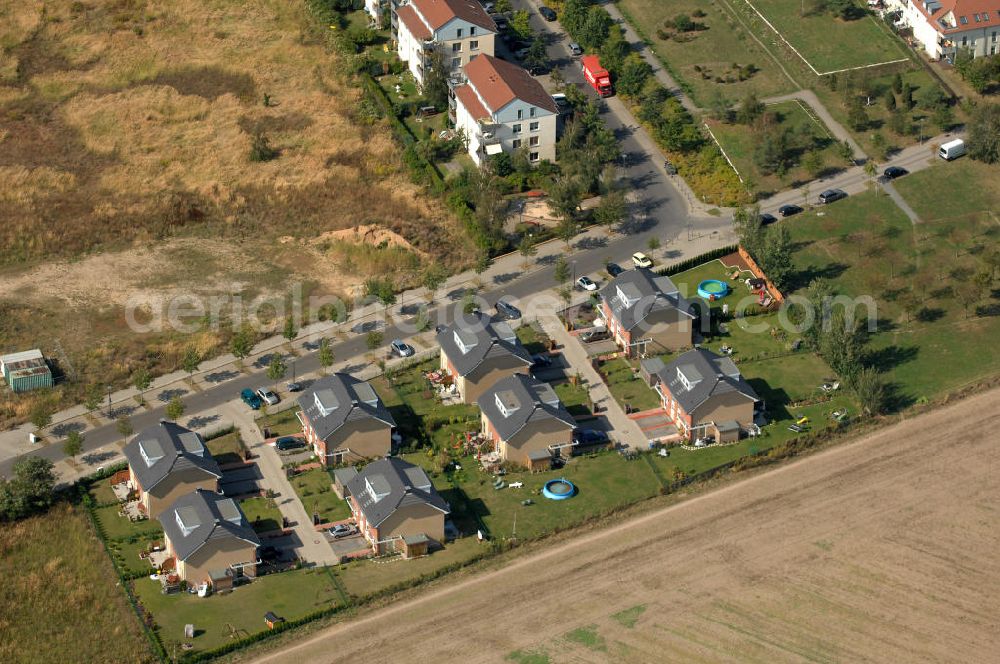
[(613, 269), (789, 210), (590, 437), (598, 334), (894, 172), (831, 195), (538, 70), (268, 552), (540, 361), (250, 398), (507, 311), (293, 386), (766, 219), (289, 443), (547, 14)]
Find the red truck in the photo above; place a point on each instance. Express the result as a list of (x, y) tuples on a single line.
[(597, 76)]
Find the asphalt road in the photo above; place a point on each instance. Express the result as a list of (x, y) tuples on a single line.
[(659, 210)]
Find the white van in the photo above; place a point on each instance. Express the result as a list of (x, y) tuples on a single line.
[(952, 149)]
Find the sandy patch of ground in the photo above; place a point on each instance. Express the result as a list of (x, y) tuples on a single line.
[(882, 550)]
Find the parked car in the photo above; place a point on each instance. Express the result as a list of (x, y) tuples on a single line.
[(401, 348), (439, 328), (538, 70), (293, 386), (575, 49), (641, 260), (501, 22), (268, 552), (597, 334), (547, 13), (267, 396), (767, 219), (590, 437), (521, 53), (251, 399), (562, 103), (789, 210), (586, 283), (289, 443), (540, 361), (507, 311), (831, 195), (613, 269), (341, 530), (894, 172)]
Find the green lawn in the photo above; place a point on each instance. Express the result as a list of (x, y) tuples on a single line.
[(262, 517), (126, 554), (807, 135), (227, 448), (574, 397), (626, 386), (290, 595), (117, 527), (101, 491), (916, 278), (284, 423), (532, 338), (702, 57), (973, 189), (315, 489), (829, 43)]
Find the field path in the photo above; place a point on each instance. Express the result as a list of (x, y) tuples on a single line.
[(881, 550)]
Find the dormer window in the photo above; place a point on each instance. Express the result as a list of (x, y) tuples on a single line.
[(506, 403), (472, 31), (458, 33)]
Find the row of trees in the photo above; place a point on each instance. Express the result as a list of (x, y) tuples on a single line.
[(770, 247), (980, 73)]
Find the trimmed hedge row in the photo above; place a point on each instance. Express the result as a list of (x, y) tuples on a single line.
[(695, 261)]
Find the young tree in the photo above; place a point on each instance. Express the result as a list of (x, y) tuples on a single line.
[(191, 361), (92, 397), (290, 331), (31, 490), (561, 273), (241, 344), (260, 148), (124, 426), (520, 24), (276, 369), (434, 275), (653, 244), (982, 137), (527, 249), (750, 109), (175, 409), (326, 356), (73, 444), (41, 414), (536, 56), (872, 391), (435, 88), (612, 210), (141, 382), (373, 340), (635, 72), (871, 171), (857, 116)]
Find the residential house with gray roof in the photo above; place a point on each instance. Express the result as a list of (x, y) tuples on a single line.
[(394, 502), (646, 314), (345, 420), (705, 394), (526, 420), (477, 351), (209, 538), (167, 461)]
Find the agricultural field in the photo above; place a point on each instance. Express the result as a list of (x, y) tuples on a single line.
[(933, 285), (55, 574), (807, 148), (130, 175), (752, 571), (704, 57)]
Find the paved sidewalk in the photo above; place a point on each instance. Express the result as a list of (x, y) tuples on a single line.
[(625, 430)]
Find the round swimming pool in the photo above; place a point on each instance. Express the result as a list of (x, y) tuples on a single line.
[(713, 289), (559, 489)]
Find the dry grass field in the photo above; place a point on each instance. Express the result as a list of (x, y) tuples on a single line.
[(125, 135), (881, 550), (60, 595)]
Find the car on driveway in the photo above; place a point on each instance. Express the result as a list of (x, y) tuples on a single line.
[(289, 443), (575, 49), (251, 399), (590, 437), (507, 311), (540, 361), (789, 210), (341, 530), (586, 283), (547, 13), (641, 260), (894, 172), (400, 348), (293, 386), (538, 70), (767, 219), (831, 195), (267, 396), (596, 334), (613, 269)]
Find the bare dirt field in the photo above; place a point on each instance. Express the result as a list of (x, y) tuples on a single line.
[(881, 550)]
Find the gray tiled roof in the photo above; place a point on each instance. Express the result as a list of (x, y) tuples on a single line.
[(164, 448), (201, 517), (473, 338), (384, 486), (634, 294), (525, 400), (334, 400), (706, 375)]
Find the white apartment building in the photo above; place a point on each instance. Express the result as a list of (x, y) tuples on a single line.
[(501, 108), (459, 29), (943, 27)]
